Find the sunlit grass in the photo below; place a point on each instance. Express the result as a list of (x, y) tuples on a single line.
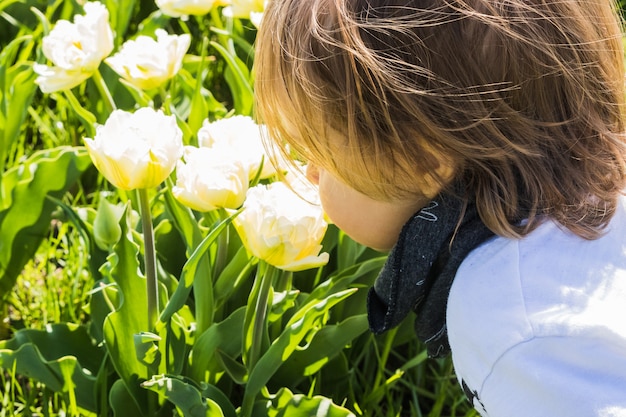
[(20, 396), (55, 284)]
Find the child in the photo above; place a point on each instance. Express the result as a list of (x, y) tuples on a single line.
[(483, 142)]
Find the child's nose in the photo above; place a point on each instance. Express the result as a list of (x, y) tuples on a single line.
[(313, 173)]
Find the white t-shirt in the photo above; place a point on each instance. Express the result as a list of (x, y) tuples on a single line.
[(537, 326)]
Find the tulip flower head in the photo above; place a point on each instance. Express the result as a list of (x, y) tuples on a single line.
[(282, 229), (147, 63), (75, 49), (210, 179), (178, 8), (136, 150), (243, 136)]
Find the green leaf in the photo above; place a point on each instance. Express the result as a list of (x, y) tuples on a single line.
[(50, 355), (235, 370), (170, 247), (281, 303), (121, 12), (183, 219), (225, 336), (17, 87), (147, 348), (122, 402), (188, 275), (199, 107), (215, 394), (286, 404), (177, 334), (348, 251), (282, 348), (239, 267), (327, 343), (238, 79), (131, 318), (97, 256), (86, 117), (186, 397), (344, 278), (255, 326), (26, 210)]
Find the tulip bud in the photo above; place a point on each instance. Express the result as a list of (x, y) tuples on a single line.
[(210, 179), (282, 229), (136, 150), (106, 226), (147, 63)]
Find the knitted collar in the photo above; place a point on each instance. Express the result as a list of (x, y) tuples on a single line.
[(420, 269)]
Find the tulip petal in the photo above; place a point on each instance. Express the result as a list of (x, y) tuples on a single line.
[(52, 79), (307, 263)]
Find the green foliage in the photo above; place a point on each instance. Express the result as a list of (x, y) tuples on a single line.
[(63, 357), (26, 207), (17, 87)]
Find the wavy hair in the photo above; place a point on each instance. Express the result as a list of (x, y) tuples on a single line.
[(524, 99)]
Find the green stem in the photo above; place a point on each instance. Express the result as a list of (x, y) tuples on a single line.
[(259, 325), (384, 357), (104, 91), (217, 22), (285, 281), (149, 257), (221, 256), (166, 99), (203, 289)]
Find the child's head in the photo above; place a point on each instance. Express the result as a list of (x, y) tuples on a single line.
[(520, 100)]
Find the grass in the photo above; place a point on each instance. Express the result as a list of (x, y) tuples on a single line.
[(53, 288), (24, 397)]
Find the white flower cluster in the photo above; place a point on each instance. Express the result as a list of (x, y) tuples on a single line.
[(141, 149), (278, 225), (77, 49)]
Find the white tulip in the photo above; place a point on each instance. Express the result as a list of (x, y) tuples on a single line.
[(75, 49), (147, 63), (210, 179), (178, 8), (282, 229), (136, 150), (241, 134)]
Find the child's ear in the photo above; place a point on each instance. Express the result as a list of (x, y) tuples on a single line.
[(313, 173), (441, 176)]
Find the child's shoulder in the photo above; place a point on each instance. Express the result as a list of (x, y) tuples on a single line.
[(553, 291), (549, 270)]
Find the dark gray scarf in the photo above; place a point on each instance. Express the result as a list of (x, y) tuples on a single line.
[(421, 267)]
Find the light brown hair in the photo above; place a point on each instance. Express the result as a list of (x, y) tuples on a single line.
[(523, 98)]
